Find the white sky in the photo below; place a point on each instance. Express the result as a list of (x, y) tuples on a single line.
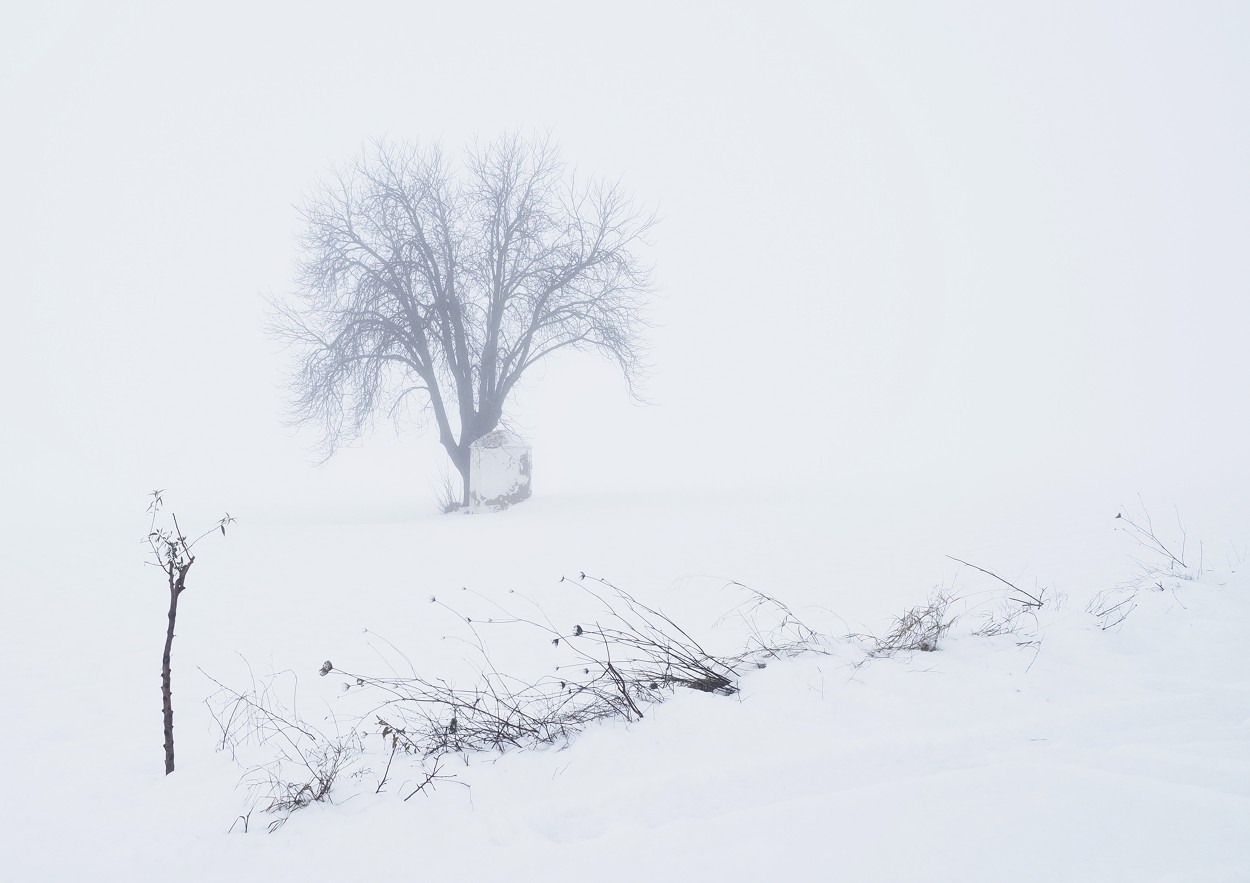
[(969, 239)]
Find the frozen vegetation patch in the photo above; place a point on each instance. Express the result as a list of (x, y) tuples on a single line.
[(537, 671), (622, 656)]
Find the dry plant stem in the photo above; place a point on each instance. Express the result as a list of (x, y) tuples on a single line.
[(1112, 606), (1029, 599), (789, 635), (430, 778), (386, 772), (260, 717), (1109, 611), (918, 628), (447, 493), (1147, 538)]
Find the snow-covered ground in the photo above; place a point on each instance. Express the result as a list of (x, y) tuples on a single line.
[(1119, 754), (934, 279)]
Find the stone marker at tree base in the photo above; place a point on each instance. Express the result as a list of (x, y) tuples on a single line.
[(499, 470)]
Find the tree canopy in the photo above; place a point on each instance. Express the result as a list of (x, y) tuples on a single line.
[(447, 283)]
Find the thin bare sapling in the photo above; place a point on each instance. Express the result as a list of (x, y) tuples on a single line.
[(173, 553)]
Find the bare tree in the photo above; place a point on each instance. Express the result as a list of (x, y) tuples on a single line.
[(419, 278), (172, 553)]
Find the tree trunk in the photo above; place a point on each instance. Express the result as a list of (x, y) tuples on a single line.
[(166, 692), (474, 426), (459, 455), (464, 475)]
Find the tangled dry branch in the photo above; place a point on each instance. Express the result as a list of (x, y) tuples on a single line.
[(613, 666)]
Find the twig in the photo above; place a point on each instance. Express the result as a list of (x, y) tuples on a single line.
[(1031, 599)]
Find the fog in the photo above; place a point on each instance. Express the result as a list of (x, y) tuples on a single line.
[(898, 243)]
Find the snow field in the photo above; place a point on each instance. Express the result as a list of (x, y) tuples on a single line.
[(1096, 755)]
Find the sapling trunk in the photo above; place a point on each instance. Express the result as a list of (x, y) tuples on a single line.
[(171, 552), (177, 583)]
